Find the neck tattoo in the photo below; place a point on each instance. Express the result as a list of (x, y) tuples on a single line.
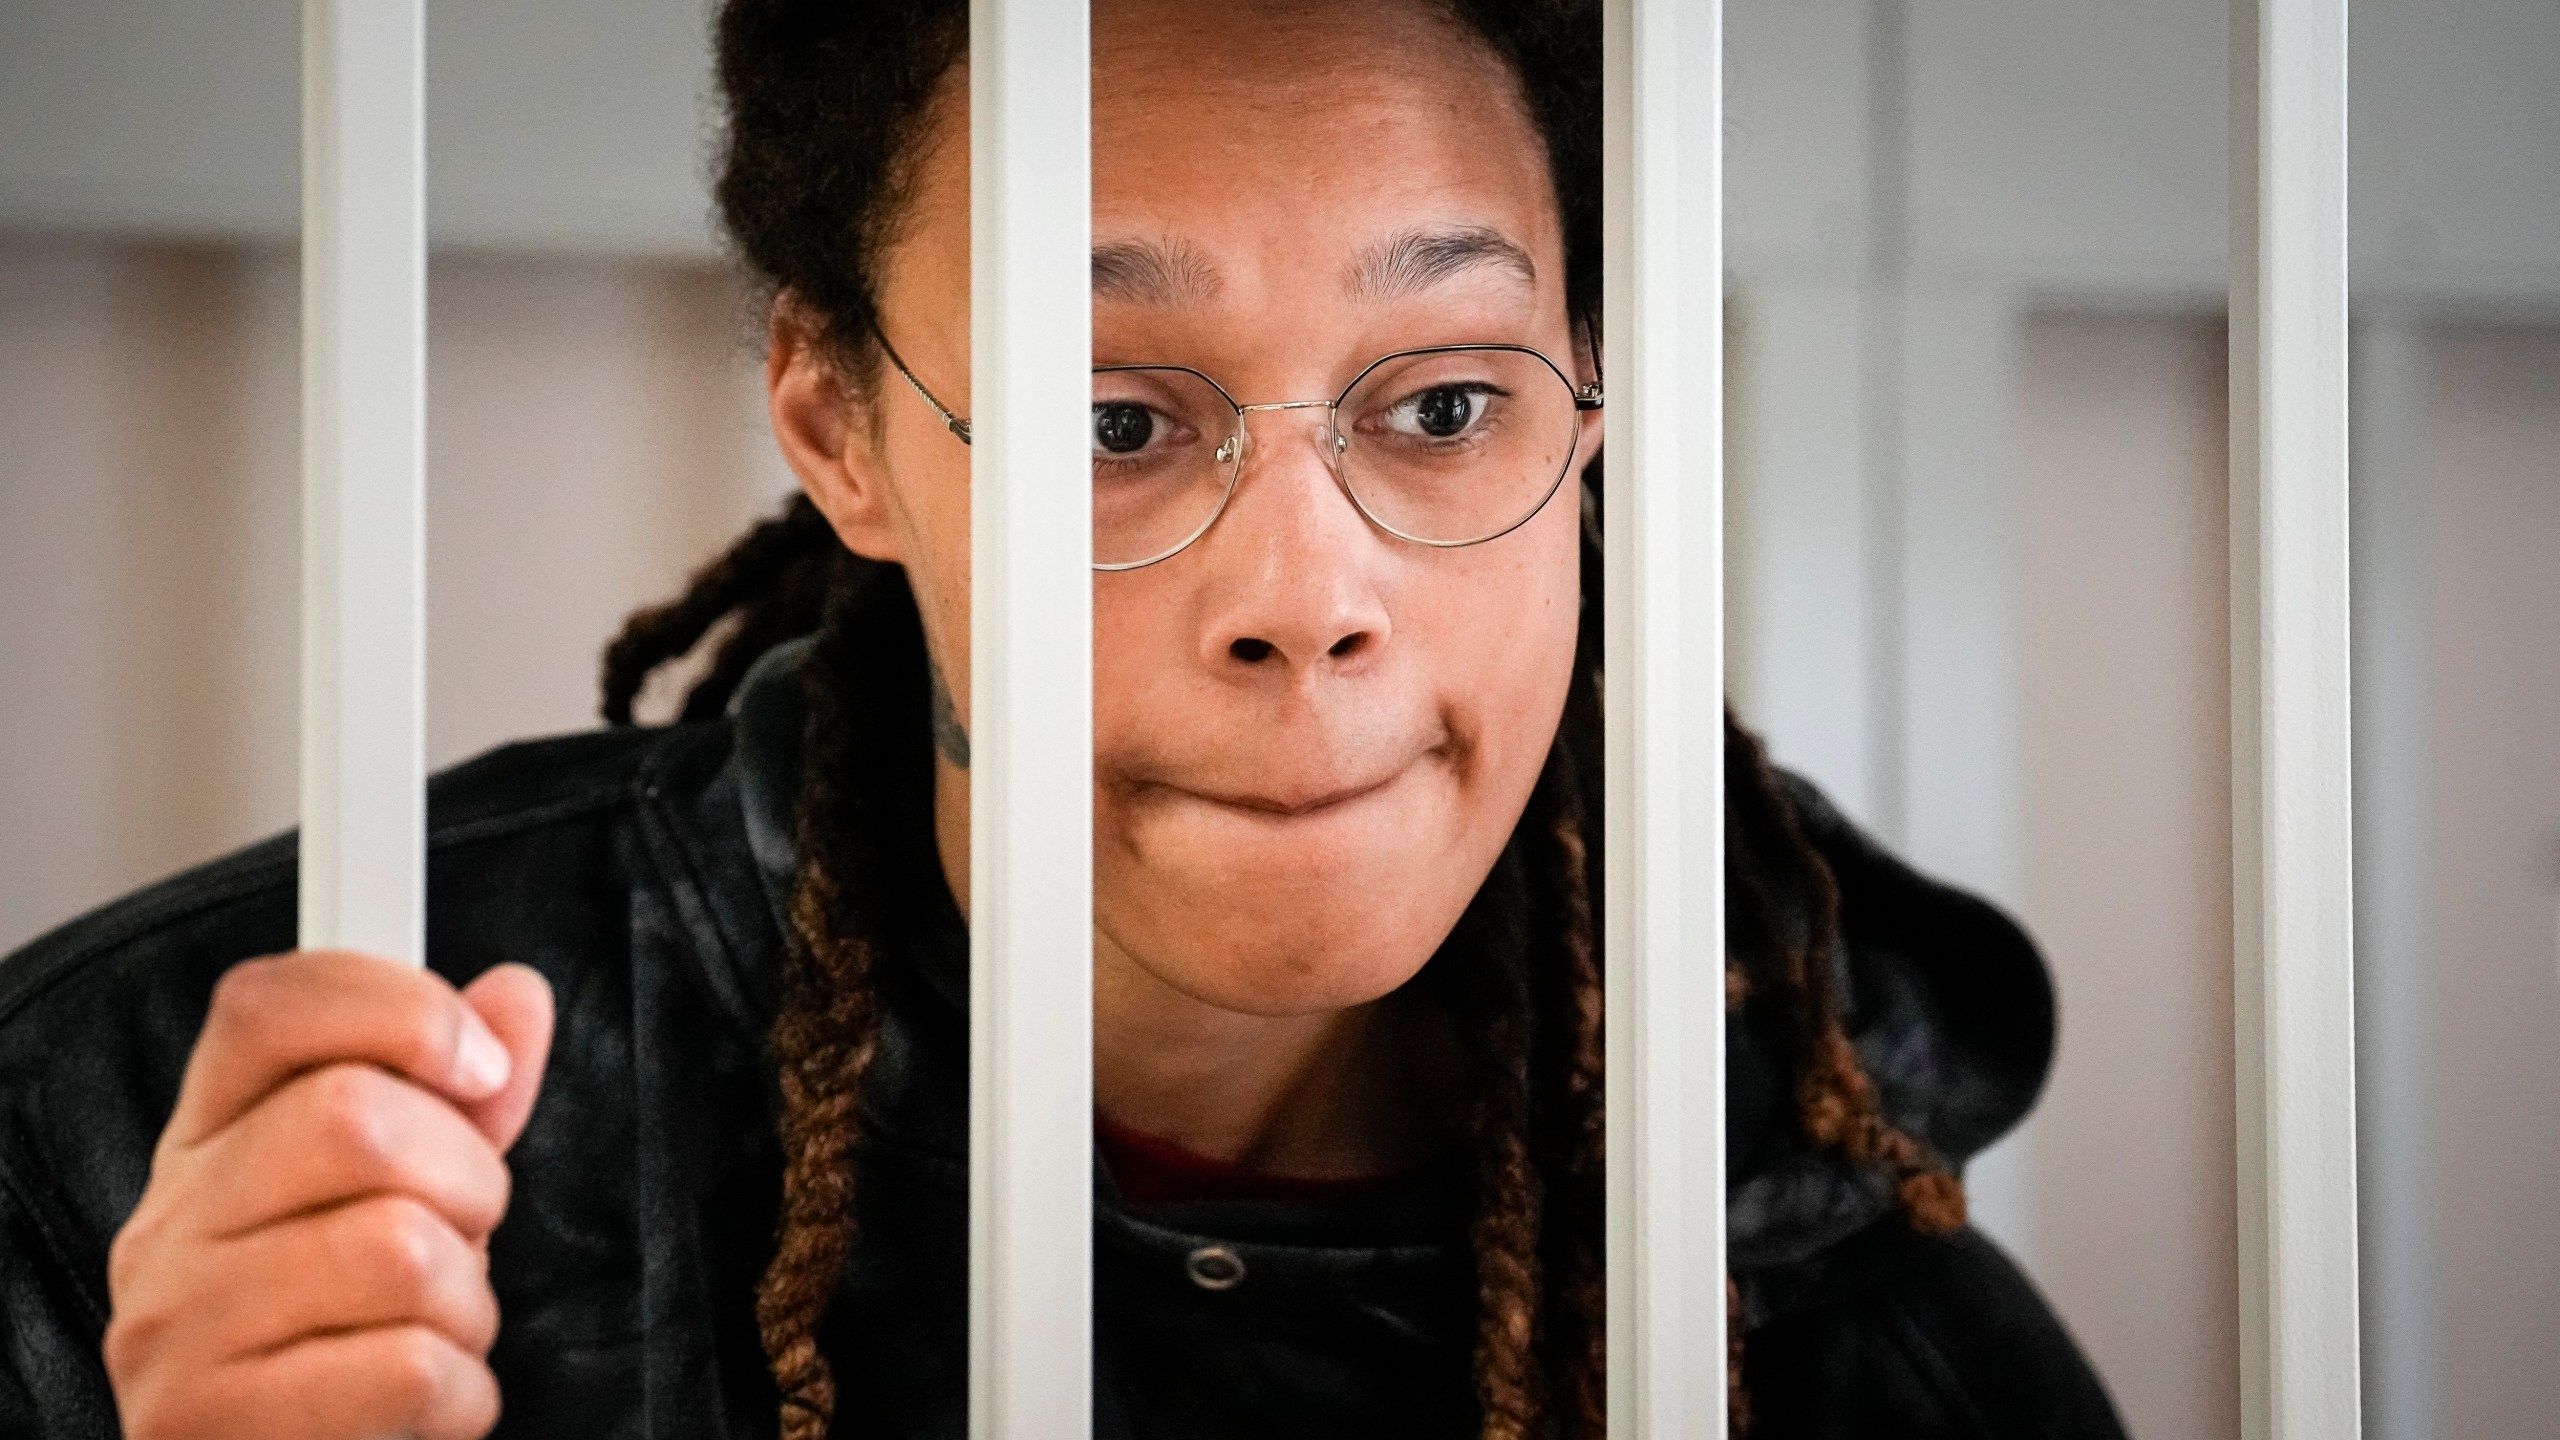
[(950, 741)]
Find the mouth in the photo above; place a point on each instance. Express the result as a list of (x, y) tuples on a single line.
[(1312, 792), (1293, 805)]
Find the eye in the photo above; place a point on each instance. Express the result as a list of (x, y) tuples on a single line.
[(1121, 427), (1442, 412)]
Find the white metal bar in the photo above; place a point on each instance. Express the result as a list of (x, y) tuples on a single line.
[(364, 462), (1663, 187), (1884, 416), (1031, 724), (2292, 848)]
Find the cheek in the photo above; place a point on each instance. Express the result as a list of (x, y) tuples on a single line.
[(1140, 653), (933, 515), (1496, 632), (1502, 640), (1503, 647)]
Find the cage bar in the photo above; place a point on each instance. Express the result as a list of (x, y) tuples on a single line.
[(2292, 849), (1030, 710), (1664, 544), (364, 465)]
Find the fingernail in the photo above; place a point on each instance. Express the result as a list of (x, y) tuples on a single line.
[(480, 1062)]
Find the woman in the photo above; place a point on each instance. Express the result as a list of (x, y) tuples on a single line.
[(1347, 1005)]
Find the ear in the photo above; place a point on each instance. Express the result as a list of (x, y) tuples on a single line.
[(825, 432)]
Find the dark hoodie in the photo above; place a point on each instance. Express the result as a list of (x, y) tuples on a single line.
[(642, 871)]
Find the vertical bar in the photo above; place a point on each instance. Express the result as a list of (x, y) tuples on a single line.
[(1884, 414), (1663, 187), (364, 464), (1031, 710), (2291, 845)]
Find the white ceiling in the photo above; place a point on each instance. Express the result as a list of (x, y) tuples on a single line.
[(551, 124)]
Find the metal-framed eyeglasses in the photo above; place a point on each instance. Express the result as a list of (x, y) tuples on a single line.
[(1446, 446)]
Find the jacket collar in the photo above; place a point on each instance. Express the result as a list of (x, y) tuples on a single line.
[(764, 715)]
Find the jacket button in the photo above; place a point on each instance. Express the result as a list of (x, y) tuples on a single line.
[(1214, 1267)]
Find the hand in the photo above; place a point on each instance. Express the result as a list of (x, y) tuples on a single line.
[(310, 1260)]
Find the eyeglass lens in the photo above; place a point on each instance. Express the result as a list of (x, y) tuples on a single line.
[(1445, 447)]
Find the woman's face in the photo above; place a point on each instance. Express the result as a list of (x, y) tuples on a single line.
[(1311, 738)]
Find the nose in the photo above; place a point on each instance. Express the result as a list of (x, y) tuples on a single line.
[(1296, 566)]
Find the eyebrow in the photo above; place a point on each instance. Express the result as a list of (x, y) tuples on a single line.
[(1151, 272), (1420, 259)]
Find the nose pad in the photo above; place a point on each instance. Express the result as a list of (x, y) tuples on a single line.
[(1330, 445)]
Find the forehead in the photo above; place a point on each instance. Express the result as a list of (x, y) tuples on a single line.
[(1263, 135)]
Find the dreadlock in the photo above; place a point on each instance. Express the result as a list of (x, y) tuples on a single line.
[(769, 586), (824, 108), (1798, 960)]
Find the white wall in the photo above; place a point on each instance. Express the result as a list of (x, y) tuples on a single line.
[(2491, 762), (148, 547), (594, 432), (2126, 760)]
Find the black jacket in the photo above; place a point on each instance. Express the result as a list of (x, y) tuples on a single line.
[(640, 871)]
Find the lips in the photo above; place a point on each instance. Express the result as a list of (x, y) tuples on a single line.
[(1291, 805), (1311, 793)]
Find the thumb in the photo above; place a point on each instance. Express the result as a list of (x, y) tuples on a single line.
[(515, 1001)]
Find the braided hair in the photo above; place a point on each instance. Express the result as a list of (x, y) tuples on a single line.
[(825, 104)]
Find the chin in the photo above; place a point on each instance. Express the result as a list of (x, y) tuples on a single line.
[(1277, 961)]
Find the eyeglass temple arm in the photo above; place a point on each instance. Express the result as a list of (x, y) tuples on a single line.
[(957, 426), (1585, 397)]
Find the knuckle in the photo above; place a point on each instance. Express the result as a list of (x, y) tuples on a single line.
[(350, 1101), (148, 1414), (249, 998), (475, 1211), (463, 1406), (502, 1188), (132, 1248), (125, 1347), (490, 1179), (136, 1328), (149, 1397), (413, 1364), (471, 1410), (404, 1245), (422, 1031)]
